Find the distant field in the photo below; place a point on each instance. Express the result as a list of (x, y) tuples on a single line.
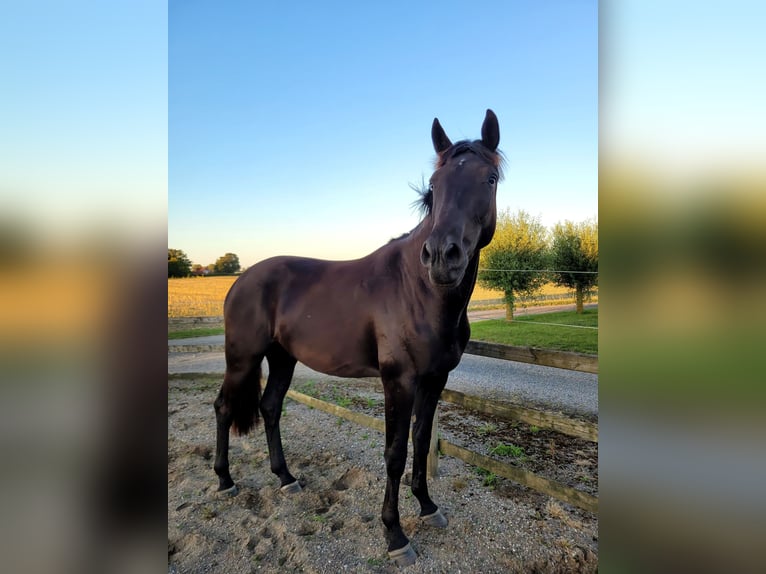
[(482, 294), (197, 296), (203, 296)]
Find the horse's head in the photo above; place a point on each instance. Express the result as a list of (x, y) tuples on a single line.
[(461, 201)]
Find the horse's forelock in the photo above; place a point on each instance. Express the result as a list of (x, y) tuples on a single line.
[(424, 204), (496, 158)]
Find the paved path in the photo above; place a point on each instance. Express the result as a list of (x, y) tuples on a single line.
[(571, 392)]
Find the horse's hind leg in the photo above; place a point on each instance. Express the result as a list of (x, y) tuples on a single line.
[(236, 404), (281, 368), (223, 420), (426, 400)]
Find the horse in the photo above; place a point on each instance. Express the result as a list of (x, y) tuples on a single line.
[(400, 314)]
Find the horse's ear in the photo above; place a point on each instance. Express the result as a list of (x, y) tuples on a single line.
[(490, 131), (440, 139)]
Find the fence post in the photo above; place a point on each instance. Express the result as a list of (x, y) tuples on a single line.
[(432, 466)]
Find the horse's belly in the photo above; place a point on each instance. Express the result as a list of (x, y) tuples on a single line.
[(334, 354), (338, 368)]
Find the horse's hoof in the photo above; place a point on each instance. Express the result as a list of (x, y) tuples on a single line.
[(292, 488), (404, 556), (436, 519), (231, 491)]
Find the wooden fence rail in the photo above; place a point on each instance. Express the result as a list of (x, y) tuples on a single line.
[(543, 357), (543, 419), (519, 475), (539, 483)]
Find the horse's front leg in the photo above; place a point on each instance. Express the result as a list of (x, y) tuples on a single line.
[(399, 397), (426, 400)]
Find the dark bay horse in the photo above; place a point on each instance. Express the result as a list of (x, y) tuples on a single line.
[(398, 313)]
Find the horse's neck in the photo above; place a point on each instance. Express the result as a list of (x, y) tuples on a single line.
[(469, 281)]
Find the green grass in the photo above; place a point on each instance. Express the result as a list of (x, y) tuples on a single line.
[(488, 478), (503, 449), (199, 332), (344, 402), (487, 428), (524, 331), (308, 388), (527, 331)]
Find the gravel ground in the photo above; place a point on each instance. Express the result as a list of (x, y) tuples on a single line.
[(334, 525)]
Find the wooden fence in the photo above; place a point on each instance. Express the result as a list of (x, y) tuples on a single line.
[(543, 357), (541, 484), (543, 419)]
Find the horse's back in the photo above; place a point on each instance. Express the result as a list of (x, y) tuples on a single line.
[(318, 311)]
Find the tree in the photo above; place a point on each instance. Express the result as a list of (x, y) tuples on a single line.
[(574, 257), (520, 244), (227, 264), (178, 263)]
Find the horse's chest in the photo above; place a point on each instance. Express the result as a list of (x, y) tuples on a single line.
[(446, 359), (435, 352)]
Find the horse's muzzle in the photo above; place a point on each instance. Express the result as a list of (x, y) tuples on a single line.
[(445, 261)]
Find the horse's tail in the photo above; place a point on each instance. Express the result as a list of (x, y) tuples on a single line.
[(243, 398), (241, 389)]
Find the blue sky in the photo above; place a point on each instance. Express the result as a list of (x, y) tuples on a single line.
[(264, 132), (296, 129), (683, 83), (83, 117)]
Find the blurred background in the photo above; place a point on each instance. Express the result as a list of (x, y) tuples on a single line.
[(83, 211), (682, 207)]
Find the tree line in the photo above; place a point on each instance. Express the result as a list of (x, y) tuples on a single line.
[(524, 255), (179, 265)]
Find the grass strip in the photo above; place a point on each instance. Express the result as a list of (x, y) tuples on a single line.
[(559, 331)]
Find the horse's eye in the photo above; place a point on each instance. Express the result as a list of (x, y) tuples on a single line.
[(431, 187), (492, 180)]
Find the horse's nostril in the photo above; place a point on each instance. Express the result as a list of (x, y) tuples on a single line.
[(452, 254), (425, 254)]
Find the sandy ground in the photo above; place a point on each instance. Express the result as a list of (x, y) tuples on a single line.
[(334, 524)]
